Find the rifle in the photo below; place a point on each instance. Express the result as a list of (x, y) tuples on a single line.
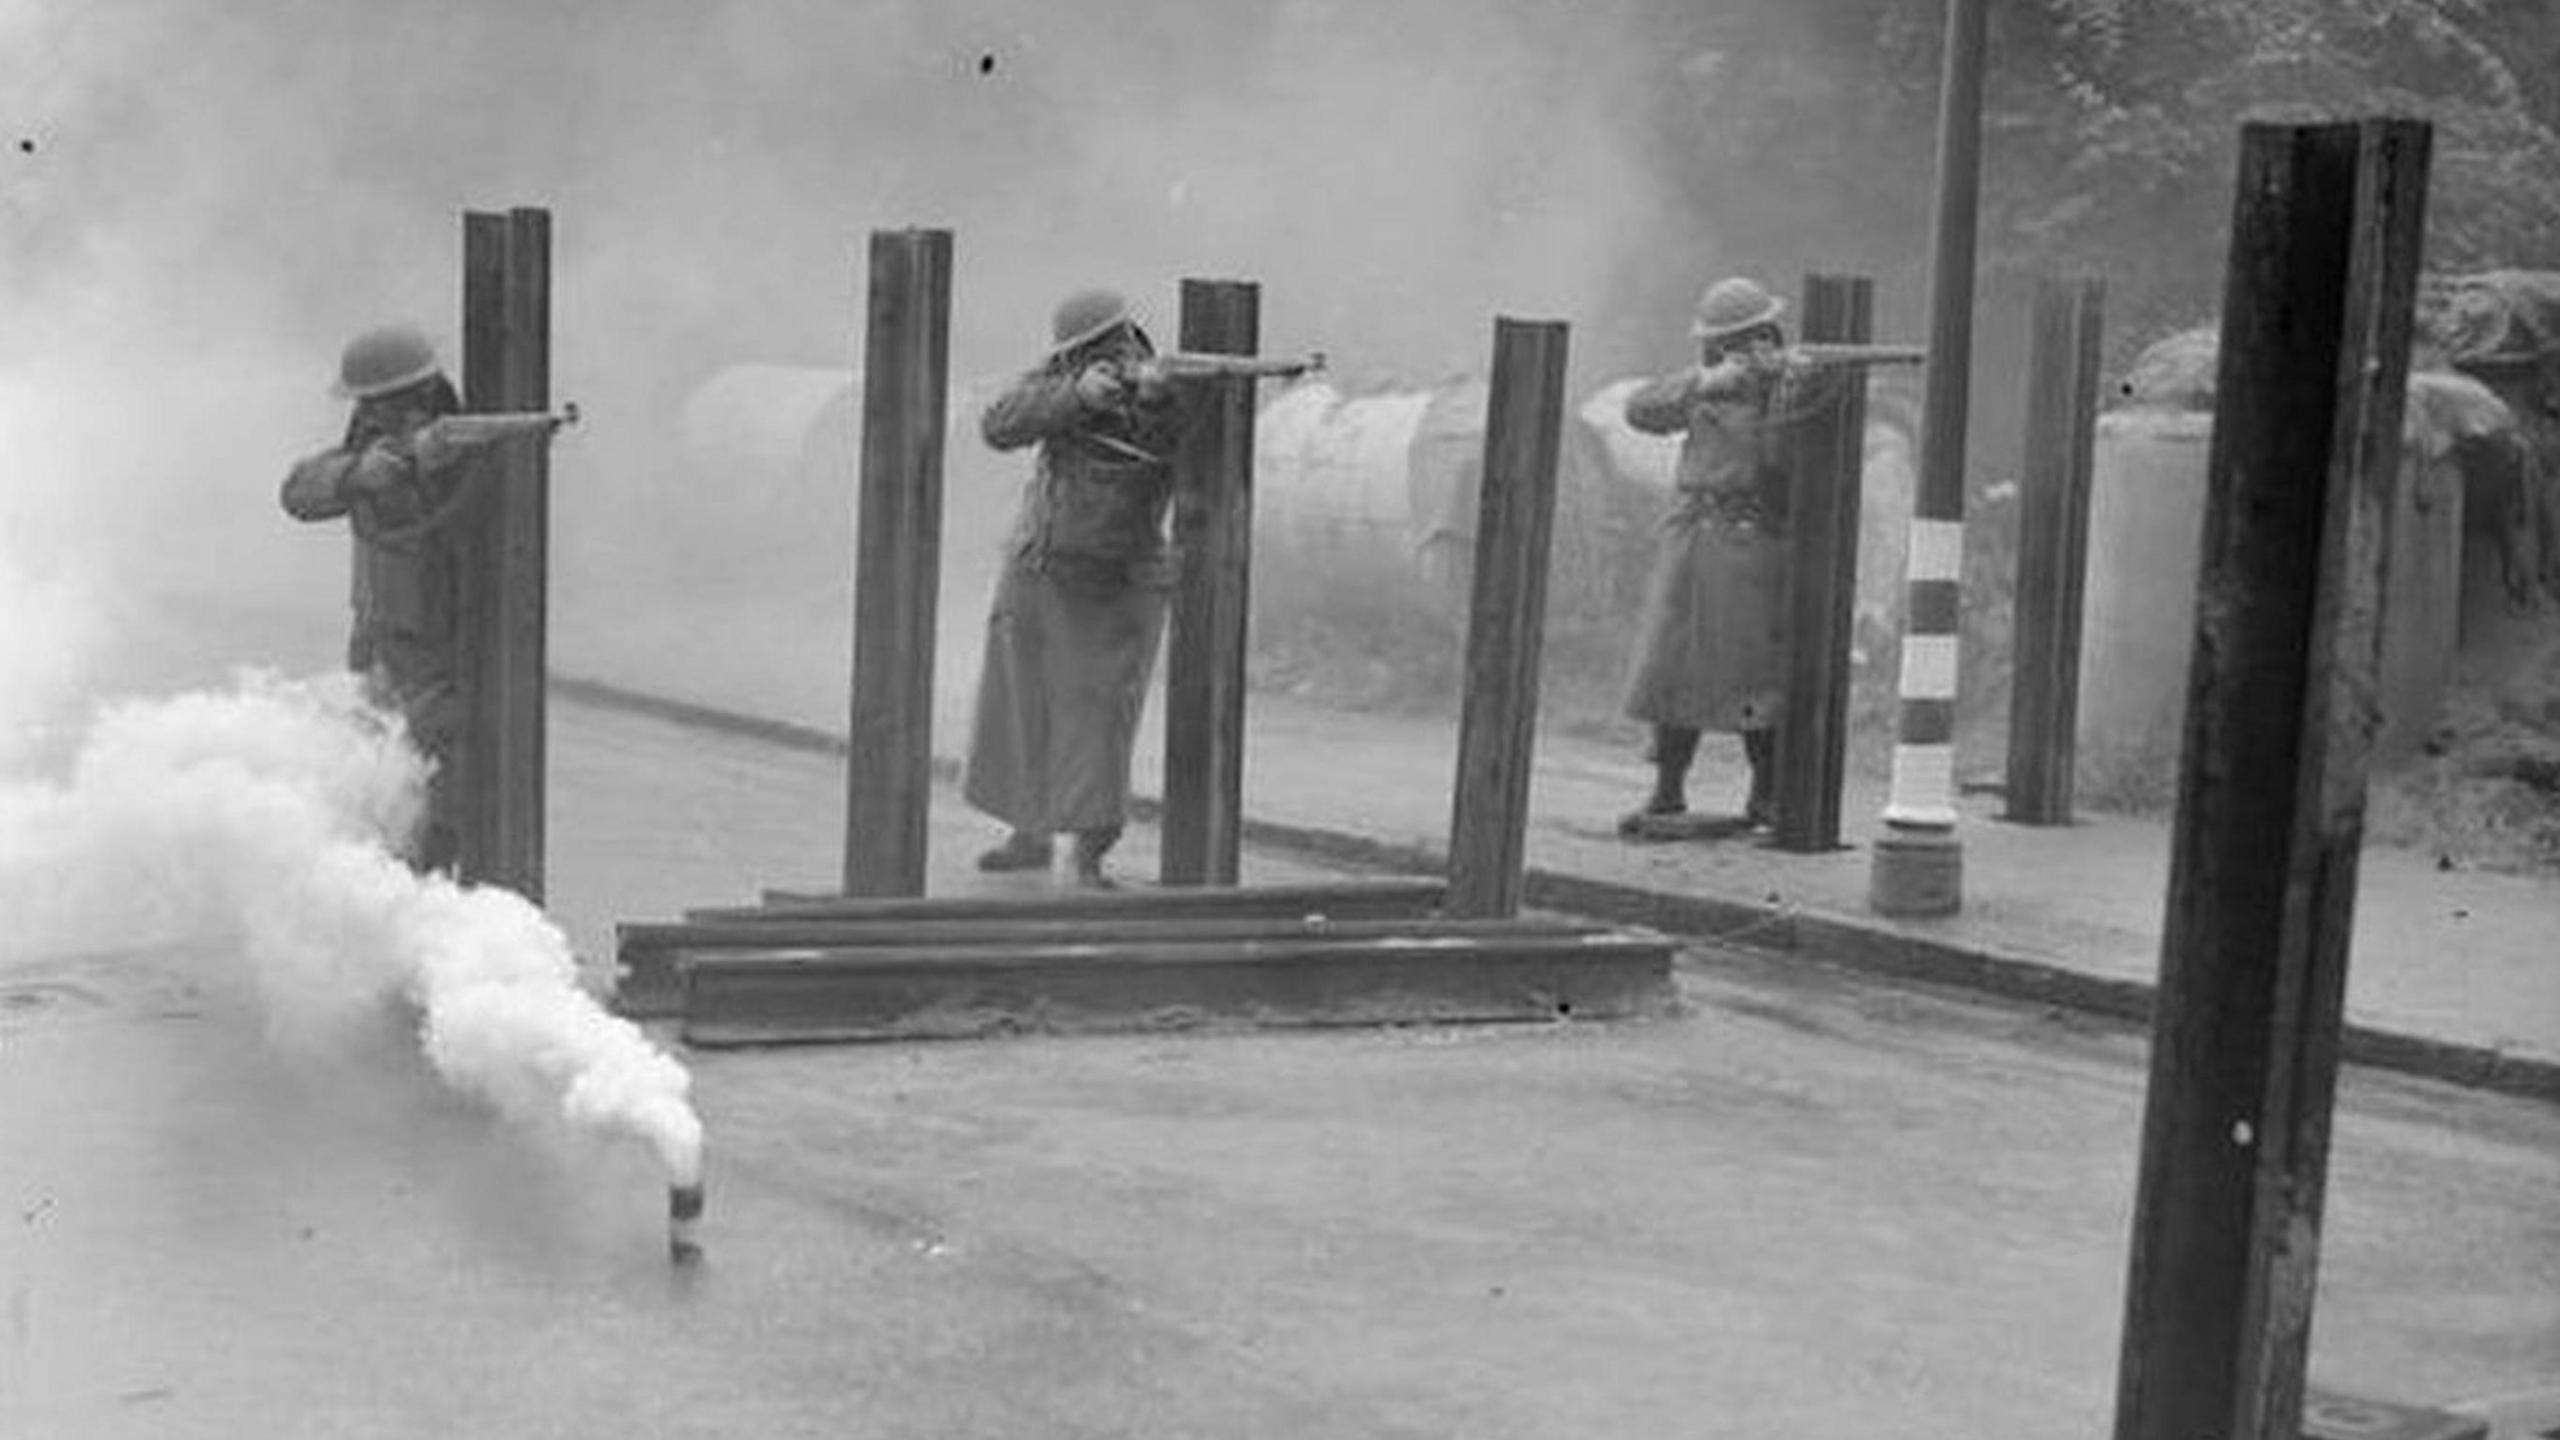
[(447, 438), (1826, 354), (1189, 365)]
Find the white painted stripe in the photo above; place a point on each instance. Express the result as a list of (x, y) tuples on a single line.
[(1937, 550), (1929, 667), (1924, 786)]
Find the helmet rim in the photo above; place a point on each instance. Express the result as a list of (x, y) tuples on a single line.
[(425, 366), (1730, 295), (1114, 310)]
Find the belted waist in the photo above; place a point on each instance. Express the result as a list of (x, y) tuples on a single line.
[(1735, 509)]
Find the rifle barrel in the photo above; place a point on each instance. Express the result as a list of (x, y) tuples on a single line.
[(1835, 354)]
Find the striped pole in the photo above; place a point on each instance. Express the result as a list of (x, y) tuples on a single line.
[(1918, 867)]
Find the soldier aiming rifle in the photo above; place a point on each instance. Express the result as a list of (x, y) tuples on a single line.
[(1713, 648), (402, 478), (1080, 607)]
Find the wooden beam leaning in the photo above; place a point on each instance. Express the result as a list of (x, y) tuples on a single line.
[(906, 367), (506, 365), (2053, 550), (1203, 842), (2281, 714), (653, 958), (938, 992), (1506, 622), (1825, 457)]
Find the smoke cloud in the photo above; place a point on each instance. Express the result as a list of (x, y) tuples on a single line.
[(254, 824)]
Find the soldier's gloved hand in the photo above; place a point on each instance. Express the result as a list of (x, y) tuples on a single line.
[(1100, 385), (378, 469)]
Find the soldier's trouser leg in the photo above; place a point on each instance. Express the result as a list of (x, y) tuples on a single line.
[(1675, 747), (430, 700), (1091, 846), (1760, 747)]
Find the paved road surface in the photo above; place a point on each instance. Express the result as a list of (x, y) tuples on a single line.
[(1812, 1203)]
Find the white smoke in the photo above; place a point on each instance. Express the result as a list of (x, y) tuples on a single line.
[(258, 822)]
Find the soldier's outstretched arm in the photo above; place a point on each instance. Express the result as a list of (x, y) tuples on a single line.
[(315, 489), (1032, 409), (1663, 407)]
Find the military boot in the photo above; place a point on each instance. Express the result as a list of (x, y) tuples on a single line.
[(1022, 850), (1091, 846)]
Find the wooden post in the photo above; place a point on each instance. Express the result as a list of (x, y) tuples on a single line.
[(2282, 709), (906, 363), (1826, 452), (1213, 540), (2053, 550), (506, 360), (1515, 518)]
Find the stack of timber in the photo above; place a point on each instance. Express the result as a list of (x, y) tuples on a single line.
[(801, 968)]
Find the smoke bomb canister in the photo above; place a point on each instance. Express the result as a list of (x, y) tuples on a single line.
[(684, 1213)]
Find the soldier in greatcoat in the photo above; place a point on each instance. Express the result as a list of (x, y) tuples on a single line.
[(1080, 606), (1713, 648)]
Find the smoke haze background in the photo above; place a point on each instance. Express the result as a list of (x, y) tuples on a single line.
[(221, 191)]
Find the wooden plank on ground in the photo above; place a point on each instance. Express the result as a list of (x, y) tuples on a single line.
[(654, 956), (1342, 899), (963, 992)]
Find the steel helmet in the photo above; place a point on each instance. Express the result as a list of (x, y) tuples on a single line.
[(1733, 305), (381, 361), (1084, 315)]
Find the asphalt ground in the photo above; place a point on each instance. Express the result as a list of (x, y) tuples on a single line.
[(1813, 1200)]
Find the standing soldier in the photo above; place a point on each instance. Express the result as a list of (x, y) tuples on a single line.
[(1080, 607), (402, 478), (1714, 640)]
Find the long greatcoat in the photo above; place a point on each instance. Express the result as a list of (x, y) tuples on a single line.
[(1712, 652), (1079, 609)]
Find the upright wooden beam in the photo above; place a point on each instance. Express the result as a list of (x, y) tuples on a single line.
[(1497, 729), (1826, 452), (2053, 550), (1213, 538), (906, 363), (2282, 710), (506, 356)]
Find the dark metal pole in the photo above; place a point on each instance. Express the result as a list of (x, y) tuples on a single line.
[(2053, 550), (2281, 716), (1825, 456), (898, 562), (1515, 520), (1918, 867), (506, 351), (1205, 656)]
